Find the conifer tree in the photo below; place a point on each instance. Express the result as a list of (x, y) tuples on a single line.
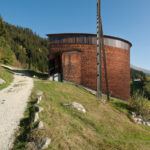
[(2, 28)]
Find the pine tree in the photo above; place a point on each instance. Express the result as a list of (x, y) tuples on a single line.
[(3, 32), (21, 40)]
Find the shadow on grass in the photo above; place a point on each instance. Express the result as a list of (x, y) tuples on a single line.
[(121, 106), (26, 125), (30, 73)]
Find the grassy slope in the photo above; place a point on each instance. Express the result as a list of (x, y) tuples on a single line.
[(148, 77), (7, 76), (103, 127)]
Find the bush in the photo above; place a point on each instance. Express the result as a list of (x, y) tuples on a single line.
[(141, 106), (147, 89)]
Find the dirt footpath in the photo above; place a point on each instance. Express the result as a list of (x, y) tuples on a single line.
[(13, 101)]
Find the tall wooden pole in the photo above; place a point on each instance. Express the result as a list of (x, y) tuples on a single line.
[(99, 46), (105, 64)]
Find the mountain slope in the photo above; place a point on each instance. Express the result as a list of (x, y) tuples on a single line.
[(141, 69), (30, 50)]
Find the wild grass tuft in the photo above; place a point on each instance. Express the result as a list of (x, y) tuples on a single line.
[(7, 76)]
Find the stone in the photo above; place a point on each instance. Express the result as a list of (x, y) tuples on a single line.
[(43, 143), (40, 125), (36, 118), (31, 146), (133, 114), (34, 76), (148, 124), (140, 120), (39, 99), (66, 104), (144, 123), (140, 117), (41, 109), (46, 142), (51, 78), (78, 107), (137, 120), (2, 81), (39, 93)]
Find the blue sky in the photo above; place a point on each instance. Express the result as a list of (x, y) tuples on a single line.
[(129, 19)]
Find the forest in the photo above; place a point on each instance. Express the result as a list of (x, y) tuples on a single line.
[(22, 47), (140, 83)]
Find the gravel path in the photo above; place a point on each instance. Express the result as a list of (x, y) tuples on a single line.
[(13, 101)]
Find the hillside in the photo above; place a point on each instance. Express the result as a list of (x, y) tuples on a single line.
[(142, 86), (147, 72), (104, 126), (22, 47)]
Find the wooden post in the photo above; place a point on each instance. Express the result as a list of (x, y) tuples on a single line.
[(99, 45), (105, 64)]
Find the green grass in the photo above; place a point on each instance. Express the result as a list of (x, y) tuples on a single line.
[(148, 78), (7, 76), (103, 127)]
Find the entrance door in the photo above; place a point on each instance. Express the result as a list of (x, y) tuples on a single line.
[(58, 66)]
